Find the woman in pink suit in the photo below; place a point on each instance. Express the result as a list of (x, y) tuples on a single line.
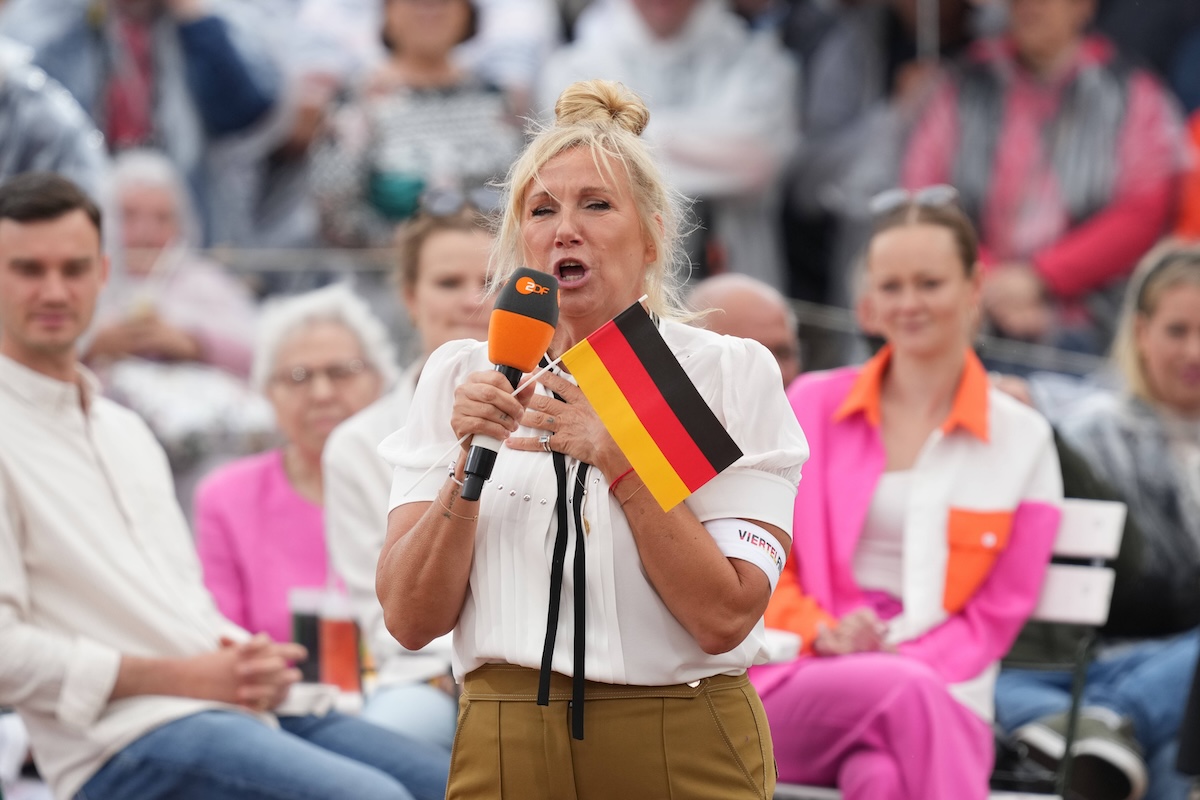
[(922, 532)]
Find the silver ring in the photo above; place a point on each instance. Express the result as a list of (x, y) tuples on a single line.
[(544, 441)]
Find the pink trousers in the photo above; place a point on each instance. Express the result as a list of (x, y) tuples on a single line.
[(877, 726)]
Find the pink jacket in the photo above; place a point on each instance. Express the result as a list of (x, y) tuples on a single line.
[(979, 531)]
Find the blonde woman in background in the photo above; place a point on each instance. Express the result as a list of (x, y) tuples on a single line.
[(1144, 442), (442, 271)]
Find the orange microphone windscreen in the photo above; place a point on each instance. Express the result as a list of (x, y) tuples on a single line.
[(523, 320)]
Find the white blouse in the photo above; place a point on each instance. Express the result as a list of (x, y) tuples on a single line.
[(631, 636), (357, 485)]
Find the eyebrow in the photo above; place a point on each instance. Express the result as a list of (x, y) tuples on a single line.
[(36, 262), (543, 193)]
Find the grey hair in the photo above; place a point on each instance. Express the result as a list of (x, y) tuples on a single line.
[(284, 317), (146, 167)]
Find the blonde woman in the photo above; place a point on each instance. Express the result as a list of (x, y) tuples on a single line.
[(1144, 442), (673, 604)]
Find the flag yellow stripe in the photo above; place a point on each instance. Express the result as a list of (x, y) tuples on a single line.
[(624, 426)]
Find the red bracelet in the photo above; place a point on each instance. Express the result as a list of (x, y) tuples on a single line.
[(618, 479)]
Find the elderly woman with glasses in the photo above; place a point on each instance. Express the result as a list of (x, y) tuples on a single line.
[(922, 531), (164, 301), (320, 358)]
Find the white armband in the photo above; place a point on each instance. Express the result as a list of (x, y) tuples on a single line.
[(737, 538)]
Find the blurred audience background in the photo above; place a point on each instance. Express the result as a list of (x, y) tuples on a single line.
[(250, 151)]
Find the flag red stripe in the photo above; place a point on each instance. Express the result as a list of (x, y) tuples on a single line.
[(651, 407)]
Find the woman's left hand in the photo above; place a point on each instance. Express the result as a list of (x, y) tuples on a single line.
[(575, 429)]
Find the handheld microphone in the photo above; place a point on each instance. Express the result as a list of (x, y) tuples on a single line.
[(519, 331)]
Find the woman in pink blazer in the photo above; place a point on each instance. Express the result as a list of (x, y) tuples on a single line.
[(923, 526)]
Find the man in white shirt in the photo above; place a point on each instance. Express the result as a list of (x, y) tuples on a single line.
[(131, 683)]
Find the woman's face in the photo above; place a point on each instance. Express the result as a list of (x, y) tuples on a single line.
[(149, 222), (336, 384), (429, 28), (447, 301), (1168, 341), (918, 295), (581, 224), (1044, 30)]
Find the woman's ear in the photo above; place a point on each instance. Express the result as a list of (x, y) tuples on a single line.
[(651, 254), (864, 311), (1140, 322), (408, 296)]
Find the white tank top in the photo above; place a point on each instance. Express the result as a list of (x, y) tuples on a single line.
[(879, 557)]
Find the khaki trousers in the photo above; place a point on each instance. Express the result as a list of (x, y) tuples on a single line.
[(641, 742)]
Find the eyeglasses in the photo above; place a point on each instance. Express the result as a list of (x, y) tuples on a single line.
[(448, 202), (339, 374), (937, 196)]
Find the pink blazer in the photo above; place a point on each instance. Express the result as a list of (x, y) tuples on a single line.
[(979, 530)]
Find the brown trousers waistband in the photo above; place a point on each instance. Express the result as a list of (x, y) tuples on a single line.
[(506, 682)]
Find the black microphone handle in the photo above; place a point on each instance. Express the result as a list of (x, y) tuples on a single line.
[(480, 460)]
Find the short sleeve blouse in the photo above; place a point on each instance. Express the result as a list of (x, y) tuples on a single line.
[(631, 636)]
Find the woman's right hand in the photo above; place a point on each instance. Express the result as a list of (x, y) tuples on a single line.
[(484, 405), (860, 631)]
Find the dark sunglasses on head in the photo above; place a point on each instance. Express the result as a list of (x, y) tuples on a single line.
[(448, 202), (936, 196)]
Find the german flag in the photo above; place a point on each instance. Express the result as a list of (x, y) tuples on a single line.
[(650, 407)]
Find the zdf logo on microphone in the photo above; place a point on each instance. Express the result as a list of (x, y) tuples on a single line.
[(528, 285)]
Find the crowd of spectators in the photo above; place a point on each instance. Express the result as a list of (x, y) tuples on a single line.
[(1069, 129)]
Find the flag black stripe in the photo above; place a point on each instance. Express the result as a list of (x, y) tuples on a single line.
[(677, 388)]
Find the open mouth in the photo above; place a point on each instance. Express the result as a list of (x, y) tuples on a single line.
[(569, 271)]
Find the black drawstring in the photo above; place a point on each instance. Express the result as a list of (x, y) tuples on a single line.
[(557, 566), (556, 577), (580, 604)]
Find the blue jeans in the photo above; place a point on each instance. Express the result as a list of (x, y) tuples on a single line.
[(1148, 683), (417, 710), (233, 756)]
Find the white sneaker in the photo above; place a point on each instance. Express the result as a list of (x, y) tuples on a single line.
[(1107, 762)]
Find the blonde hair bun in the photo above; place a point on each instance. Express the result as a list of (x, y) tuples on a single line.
[(600, 103)]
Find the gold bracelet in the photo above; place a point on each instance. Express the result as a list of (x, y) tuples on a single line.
[(631, 494), (451, 513)]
